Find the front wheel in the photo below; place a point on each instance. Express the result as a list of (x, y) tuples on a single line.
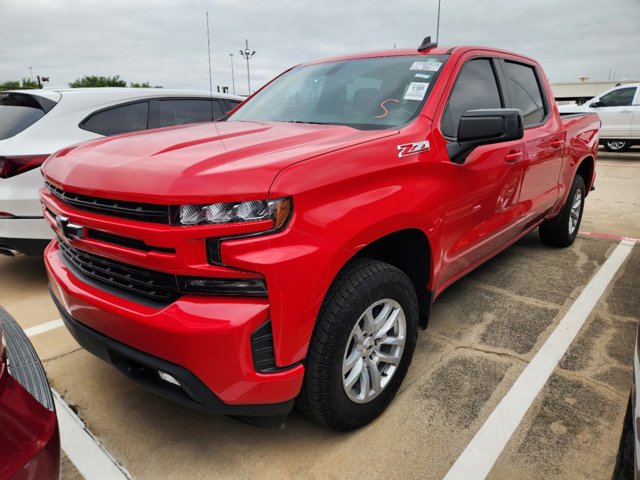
[(361, 347), (616, 145), (562, 230)]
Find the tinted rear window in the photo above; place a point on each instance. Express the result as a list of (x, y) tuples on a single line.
[(122, 119), (18, 112), (183, 112), (525, 93)]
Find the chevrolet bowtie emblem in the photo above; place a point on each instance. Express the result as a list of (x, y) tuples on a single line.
[(68, 229)]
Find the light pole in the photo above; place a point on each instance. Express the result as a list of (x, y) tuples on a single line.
[(247, 54), (233, 78)]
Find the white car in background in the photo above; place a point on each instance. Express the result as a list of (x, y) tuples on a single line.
[(619, 111), (37, 123)]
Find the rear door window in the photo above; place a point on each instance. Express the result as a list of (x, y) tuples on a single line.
[(476, 88), (19, 111), (186, 111), (526, 94), (121, 119)]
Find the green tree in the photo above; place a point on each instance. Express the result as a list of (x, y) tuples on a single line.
[(10, 85), (96, 81), (93, 81), (24, 84), (27, 83), (143, 85)]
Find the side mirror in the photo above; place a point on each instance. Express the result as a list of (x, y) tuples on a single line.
[(485, 127), (597, 104)]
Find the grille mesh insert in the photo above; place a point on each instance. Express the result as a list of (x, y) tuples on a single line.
[(157, 287)]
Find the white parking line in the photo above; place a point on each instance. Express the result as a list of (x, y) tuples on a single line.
[(83, 449), (43, 327), (478, 458)]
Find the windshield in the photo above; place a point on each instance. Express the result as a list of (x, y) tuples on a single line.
[(371, 93)]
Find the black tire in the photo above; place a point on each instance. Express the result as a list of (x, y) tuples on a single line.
[(557, 231), (356, 289), (616, 145)]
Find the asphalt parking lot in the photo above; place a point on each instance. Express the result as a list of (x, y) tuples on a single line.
[(487, 331)]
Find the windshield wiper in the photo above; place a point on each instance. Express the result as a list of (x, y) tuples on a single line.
[(309, 123)]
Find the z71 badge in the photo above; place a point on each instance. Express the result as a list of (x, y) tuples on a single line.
[(413, 148)]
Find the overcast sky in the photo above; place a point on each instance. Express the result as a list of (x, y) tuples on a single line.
[(164, 42)]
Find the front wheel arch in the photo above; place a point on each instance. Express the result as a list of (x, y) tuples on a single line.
[(410, 251)]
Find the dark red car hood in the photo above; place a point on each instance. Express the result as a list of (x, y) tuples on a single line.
[(196, 163)]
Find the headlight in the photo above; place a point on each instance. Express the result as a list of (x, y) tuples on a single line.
[(230, 212)]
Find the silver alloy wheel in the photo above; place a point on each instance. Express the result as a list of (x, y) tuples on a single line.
[(616, 144), (576, 208), (374, 350)]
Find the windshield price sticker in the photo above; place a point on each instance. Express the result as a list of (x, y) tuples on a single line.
[(426, 66), (416, 91)]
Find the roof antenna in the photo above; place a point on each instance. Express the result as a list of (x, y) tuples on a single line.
[(427, 44)]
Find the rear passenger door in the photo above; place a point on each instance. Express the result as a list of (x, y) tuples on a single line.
[(543, 141)]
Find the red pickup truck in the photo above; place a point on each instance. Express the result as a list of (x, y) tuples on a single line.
[(293, 251)]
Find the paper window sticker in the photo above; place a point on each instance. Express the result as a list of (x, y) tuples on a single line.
[(416, 91), (428, 66)]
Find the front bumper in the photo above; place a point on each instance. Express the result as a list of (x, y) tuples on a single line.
[(29, 438), (202, 342)]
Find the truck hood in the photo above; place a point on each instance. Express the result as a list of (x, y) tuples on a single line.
[(197, 163)]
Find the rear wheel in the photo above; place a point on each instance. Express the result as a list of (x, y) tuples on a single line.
[(616, 145), (562, 230), (361, 347)]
